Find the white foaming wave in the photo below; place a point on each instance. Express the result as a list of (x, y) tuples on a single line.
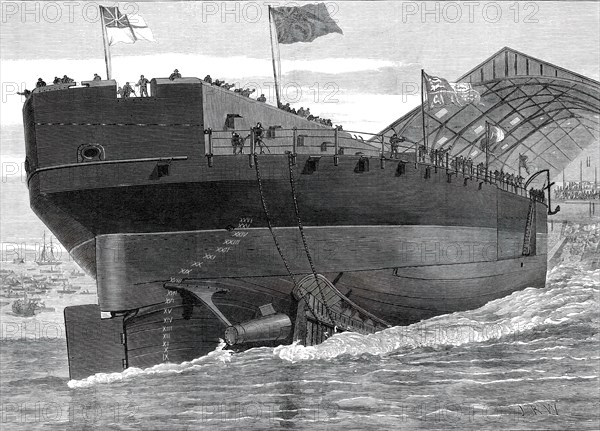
[(216, 356), (520, 312)]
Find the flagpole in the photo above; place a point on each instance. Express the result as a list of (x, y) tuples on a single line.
[(423, 109), (107, 58), (273, 58)]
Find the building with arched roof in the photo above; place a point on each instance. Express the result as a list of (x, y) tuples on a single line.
[(548, 114)]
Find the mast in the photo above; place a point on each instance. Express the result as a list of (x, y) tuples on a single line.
[(52, 258), (273, 59), (107, 58), (423, 109), (487, 149), (43, 253)]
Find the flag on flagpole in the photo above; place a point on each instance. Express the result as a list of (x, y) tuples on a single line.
[(140, 28), (122, 28), (492, 138), (496, 136), (523, 163), (441, 92), (303, 23)]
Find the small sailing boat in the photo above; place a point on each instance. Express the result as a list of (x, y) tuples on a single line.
[(47, 255)]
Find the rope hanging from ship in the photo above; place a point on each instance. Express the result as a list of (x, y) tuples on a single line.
[(304, 242), (270, 224), (300, 288)]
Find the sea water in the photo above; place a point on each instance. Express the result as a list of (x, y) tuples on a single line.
[(526, 361)]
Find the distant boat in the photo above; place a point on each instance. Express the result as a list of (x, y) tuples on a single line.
[(19, 260), (27, 307), (68, 289), (76, 273), (52, 270), (47, 255)]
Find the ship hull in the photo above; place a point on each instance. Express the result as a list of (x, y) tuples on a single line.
[(150, 199), (178, 329)]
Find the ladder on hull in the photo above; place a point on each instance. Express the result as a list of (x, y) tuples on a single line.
[(529, 240)]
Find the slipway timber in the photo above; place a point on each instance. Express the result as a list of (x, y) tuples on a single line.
[(190, 243)]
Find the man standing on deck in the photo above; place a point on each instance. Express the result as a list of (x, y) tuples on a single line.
[(143, 84), (175, 75), (40, 83), (127, 90), (237, 143), (258, 138), (394, 144)]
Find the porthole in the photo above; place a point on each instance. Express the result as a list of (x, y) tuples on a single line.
[(91, 152)]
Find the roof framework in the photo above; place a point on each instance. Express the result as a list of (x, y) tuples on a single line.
[(548, 114)]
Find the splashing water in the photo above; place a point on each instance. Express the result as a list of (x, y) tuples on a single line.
[(571, 296), (216, 356)]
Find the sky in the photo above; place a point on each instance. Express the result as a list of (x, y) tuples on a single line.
[(383, 48)]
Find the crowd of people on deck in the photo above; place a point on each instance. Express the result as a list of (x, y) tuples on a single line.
[(576, 192), (305, 113), (246, 92), (127, 90), (441, 157), (41, 83)]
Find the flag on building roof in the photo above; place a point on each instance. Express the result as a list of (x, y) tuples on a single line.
[(523, 163), (122, 28), (441, 92), (303, 23)]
